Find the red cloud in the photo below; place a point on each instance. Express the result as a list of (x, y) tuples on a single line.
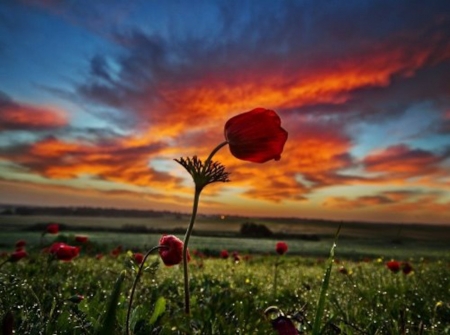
[(25, 117)]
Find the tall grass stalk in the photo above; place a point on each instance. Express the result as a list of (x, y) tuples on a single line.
[(323, 291)]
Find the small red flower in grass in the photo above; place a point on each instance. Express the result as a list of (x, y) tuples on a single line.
[(224, 254), (20, 244), (256, 136), (81, 238), (17, 256), (281, 323), (172, 250), (138, 258), (236, 256), (99, 256), (406, 268), (116, 251), (281, 248), (394, 266), (76, 299), (64, 252), (53, 228)]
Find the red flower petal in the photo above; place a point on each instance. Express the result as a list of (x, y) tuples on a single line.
[(172, 253), (394, 266), (138, 257), (256, 136), (53, 228), (64, 252), (81, 238), (17, 256), (281, 248)]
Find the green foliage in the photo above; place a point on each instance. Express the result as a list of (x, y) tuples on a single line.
[(227, 297)]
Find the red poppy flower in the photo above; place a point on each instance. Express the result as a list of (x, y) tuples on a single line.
[(281, 248), (17, 256), (172, 253), (406, 268), (53, 228), (224, 254), (64, 252), (81, 239), (236, 256), (20, 244), (394, 266), (99, 256), (256, 136), (138, 257)]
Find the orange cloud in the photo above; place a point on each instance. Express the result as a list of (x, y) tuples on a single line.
[(402, 160)]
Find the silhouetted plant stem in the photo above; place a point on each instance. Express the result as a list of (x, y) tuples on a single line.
[(141, 266), (187, 307), (210, 172)]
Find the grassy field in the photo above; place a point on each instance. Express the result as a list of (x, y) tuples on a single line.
[(228, 297), (357, 240)]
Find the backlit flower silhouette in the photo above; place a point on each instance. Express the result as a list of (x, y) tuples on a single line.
[(171, 250), (256, 136)]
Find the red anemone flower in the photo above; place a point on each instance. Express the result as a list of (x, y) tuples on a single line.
[(81, 239), (256, 136), (64, 252), (20, 244), (224, 254), (53, 228), (406, 268), (17, 256), (394, 266), (172, 251), (281, 248), (138, 258)]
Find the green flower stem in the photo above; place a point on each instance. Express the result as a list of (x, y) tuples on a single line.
[(141, 266), (198, 190), (187, 307), (275, 277)]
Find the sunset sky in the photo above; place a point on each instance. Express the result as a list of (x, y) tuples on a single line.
[(98, 97)]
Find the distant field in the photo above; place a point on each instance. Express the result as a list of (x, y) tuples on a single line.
[(356, 239)]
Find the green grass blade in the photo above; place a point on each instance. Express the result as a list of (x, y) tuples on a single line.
[(107, 327), (323, 291), (160, 308)]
